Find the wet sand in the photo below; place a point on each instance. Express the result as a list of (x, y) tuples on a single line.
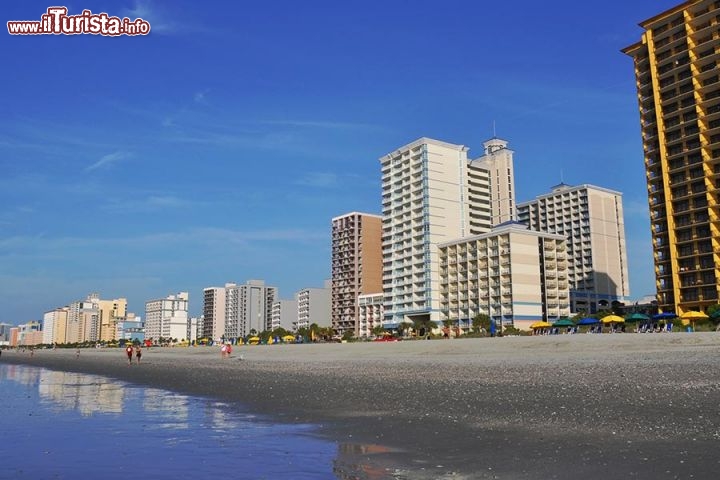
[(565, 407)]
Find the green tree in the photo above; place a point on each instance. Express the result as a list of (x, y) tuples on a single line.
[(481, 322), (403, 327), (378, 331)]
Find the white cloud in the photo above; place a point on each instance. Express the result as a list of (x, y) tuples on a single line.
[(107, 160), (319, 179), (199, 97)]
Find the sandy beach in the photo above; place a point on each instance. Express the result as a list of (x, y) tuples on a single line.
[(565, 407)]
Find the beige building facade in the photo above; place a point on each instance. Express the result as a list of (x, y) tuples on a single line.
[(514, 275), (356, 266), (591, 219)]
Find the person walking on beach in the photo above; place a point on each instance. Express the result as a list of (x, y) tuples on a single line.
[(77, 353), (129, 351), (138, 354), (223, 351)]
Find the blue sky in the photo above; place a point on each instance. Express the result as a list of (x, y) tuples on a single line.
[(218, 147)]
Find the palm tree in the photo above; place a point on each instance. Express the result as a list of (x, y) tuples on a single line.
[(481, 322)]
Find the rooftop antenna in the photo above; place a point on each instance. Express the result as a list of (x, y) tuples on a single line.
[(494, 134), (562, 179)]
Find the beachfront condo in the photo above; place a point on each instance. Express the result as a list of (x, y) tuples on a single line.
[(678, 90), (167, 317), (514, 275), (591, 219), (313, 306), (433, 193), (356, 267)]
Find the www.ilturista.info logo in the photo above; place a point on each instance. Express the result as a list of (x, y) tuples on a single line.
[(57, 22)]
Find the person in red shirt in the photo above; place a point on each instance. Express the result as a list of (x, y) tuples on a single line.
[(129, 351)]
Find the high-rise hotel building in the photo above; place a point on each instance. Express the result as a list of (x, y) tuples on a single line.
[(678, 84), (433, 193), (591, 220), (356, 267)]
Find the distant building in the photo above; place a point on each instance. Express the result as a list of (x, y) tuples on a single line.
[(248, 308), (167, 317), (514, 275), (30, 334), (14, 336), (591, 219), (213, 313), (131, 328), (5, 332), (110, 312), (83, 320), (284, 314), (370, 313), (313, 307), (192, 329), (356, 266), (55, 326)]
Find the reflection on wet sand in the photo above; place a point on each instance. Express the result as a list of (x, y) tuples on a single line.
[(212, 429), (364, 461)]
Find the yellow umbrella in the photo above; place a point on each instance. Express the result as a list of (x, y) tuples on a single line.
[(691, 316), (613, 319), (540, 325), (289, 338)]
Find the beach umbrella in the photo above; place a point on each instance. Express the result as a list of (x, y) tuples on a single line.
[(289, 338), (664, 316), (563, 322), (540, 325), (637, 317), (613, 319), (588, 321), (692, 317)]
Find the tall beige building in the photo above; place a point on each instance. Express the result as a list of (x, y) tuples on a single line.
[(591, 219), (676, 70), (55, 326), (83, 320), (356, 266), (514, 275), (110, 313), (431, 194)]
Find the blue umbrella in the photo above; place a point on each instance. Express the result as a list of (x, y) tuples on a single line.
[(664, 316), (588, 321)]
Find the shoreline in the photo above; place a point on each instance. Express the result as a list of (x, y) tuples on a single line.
[(598, 406)]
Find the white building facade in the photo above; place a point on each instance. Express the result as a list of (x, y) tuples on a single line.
[(432, 194), (371, 313), (248, 308), (167, 317), (213, 325)]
